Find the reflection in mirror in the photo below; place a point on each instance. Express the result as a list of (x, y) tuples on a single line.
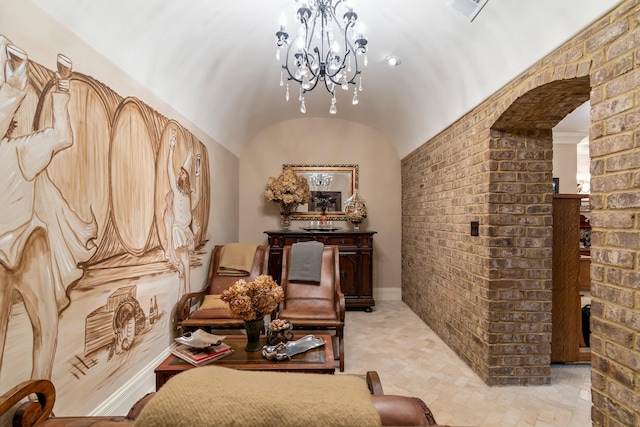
[(330, 186)]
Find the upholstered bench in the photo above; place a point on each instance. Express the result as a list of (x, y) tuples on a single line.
[(214, 395)]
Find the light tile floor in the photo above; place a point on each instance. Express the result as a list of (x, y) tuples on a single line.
[(413, 361)]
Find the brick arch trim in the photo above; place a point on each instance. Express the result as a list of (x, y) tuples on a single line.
[(544, 106)]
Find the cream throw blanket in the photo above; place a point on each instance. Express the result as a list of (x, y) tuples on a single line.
[(213, 301), (236, 259), (217, 396)]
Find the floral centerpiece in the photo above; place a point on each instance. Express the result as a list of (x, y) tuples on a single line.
[(289, 190), (251, 301)]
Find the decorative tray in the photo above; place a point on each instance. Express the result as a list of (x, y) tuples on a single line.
[(284, 351), (321, 228), (199, 339)]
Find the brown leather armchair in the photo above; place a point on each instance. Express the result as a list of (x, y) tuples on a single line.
[(315, 306), (393, 410), (217, 317)]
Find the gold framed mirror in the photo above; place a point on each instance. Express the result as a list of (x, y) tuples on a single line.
[(330, 186)]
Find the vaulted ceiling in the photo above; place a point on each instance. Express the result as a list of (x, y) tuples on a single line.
[(214, 61)]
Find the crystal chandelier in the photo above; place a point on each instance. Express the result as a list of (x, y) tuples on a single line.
[(324, 49), (320, 181)]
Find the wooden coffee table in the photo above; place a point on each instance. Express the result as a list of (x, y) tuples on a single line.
[(318, 360)]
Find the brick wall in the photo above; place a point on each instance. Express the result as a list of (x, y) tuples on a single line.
[(489, 297)]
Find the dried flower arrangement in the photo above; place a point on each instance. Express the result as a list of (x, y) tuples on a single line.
[(253, 300), (288, 189)]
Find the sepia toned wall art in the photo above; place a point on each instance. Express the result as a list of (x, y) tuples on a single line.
[(104, 206)]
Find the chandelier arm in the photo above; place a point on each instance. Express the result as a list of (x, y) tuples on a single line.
[(340, 68), (304, 51), (308, 56), (309, 34), (349, 49), (352, 51), (332, 10), (315, 83), (320, 68), (326, 85), (286, 66)]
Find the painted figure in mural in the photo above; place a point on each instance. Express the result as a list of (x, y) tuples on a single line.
[(181, 201), (42, 241)]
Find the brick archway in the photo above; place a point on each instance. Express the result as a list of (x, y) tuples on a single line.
[(520, 230)]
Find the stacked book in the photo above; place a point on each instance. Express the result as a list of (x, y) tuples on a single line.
[(200, 348)]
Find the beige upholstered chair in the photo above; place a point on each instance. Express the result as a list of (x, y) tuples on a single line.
[(213, 313), (315, 306)]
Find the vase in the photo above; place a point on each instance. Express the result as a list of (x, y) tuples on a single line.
[(355, 209), (285, 220), (253, 328), (285, 211)]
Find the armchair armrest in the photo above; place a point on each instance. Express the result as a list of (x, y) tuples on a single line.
[(184, 305), (30, 413), (373, 382), (402, 411), (338, 294), (398, 410), (340, 306)]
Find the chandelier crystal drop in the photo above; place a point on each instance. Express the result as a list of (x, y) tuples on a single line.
[(326, 49)]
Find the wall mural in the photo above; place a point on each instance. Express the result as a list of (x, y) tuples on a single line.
[(103, 216)]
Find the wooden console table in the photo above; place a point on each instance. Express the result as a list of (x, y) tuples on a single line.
[(356, 260)]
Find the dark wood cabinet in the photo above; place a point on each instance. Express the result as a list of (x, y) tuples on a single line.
[(566, 329), (356, 260)]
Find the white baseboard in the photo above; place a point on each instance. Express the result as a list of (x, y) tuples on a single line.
[(119, 403), (387, 294)]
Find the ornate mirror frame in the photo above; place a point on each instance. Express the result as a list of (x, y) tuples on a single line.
[(337, 182)]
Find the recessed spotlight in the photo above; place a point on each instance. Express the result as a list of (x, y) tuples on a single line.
[(393, 61)]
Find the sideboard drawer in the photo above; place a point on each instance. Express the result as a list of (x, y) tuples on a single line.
[(296, 239), (342, 240)]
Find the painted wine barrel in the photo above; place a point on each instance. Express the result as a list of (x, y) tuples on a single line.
[(132, 173)]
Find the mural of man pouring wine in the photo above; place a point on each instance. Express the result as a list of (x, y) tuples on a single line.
[(42, 241)]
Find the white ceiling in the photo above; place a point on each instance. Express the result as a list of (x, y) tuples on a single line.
[(575, 123), (214, 61)]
